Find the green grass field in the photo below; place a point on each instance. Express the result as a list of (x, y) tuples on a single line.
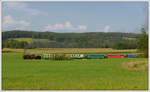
[(103, 74), (72, 50)]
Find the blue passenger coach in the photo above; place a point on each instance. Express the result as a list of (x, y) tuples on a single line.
[(130, 56)]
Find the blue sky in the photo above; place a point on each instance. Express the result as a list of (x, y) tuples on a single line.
[(74, 16)]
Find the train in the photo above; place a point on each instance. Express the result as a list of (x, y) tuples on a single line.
[(80, 56)]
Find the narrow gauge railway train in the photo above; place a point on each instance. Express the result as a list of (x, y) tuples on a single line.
[(80, 56)]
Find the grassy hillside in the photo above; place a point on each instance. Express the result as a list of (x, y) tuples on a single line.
[(29, 40), (72, 40), (103, 74)]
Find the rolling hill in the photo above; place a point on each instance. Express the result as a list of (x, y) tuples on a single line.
[(70, 40)]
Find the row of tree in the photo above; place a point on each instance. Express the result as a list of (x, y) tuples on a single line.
[(14, 44), (48, 44), (68, 37), (73, 40), (125, 45)]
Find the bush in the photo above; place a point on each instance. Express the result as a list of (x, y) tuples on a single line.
[(67, 58), (61, 57)]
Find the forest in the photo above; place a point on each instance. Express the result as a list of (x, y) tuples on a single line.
[(116, 40)]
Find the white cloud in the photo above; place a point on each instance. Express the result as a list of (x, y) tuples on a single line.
[(82, 27), (106, 28), (58, 26), (9, 22), (22, 7), (66, 26)]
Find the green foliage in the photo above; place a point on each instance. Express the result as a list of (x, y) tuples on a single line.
[(68, 58), (125, 45), (104, 74), (70, 40), (29, 40), (142, 41), (14, 44), (61, 57)]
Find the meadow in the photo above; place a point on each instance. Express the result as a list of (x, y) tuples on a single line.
[(70, 50), (101, 74)]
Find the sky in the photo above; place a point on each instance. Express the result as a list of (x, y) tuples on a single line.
[(76, 17)]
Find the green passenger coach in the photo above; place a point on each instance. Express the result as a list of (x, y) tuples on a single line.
[(95, 56), (48, 56)]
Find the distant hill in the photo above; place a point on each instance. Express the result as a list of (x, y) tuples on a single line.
[(73, 40), (28, 40)]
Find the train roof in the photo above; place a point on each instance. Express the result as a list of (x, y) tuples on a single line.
[(115, 54), (95, 54)]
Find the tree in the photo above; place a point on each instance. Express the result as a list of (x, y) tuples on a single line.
[(142, 42), (124, 45)]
